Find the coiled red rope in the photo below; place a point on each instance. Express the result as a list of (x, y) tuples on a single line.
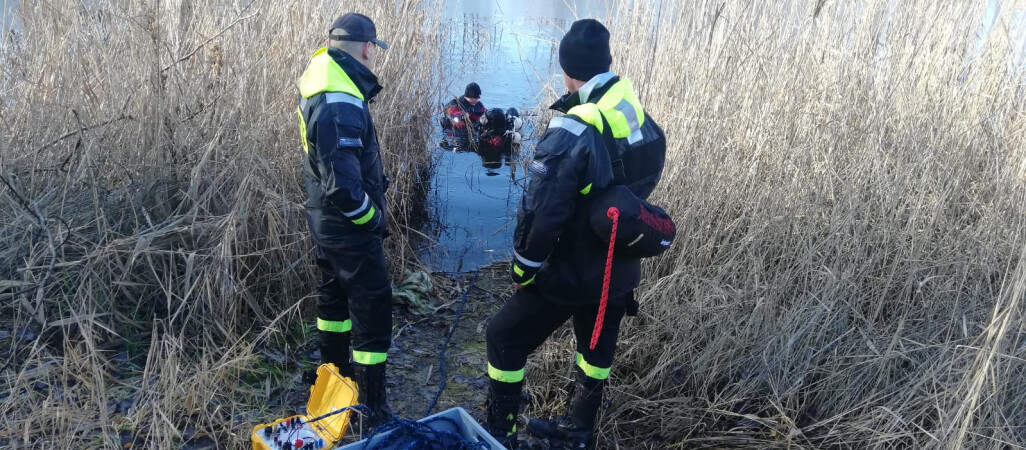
[(613, 214)]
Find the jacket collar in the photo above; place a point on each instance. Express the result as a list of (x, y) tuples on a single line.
[(594, 89), (362, 77)]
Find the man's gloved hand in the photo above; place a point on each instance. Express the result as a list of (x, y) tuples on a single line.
[(522, 275), (386, 182), (370, 220)]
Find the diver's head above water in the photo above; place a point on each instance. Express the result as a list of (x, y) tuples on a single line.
[(472, 93)]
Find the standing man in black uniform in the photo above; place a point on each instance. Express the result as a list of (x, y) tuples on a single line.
[(559, 262), (345, 207)]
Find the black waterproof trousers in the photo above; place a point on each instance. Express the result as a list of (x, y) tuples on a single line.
[(527, 320), (356, 296)]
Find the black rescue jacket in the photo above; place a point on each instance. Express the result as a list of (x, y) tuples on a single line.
[(571, 164), (462, 105), (345, 185)]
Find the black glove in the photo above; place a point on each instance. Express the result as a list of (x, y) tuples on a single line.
[(386, 182), (522, 275)]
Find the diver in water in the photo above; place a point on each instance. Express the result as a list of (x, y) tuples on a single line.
[(464, 111), (499, 137), (494, 142), (501, 130)]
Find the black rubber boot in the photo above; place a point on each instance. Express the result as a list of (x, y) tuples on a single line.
[(503, 408), (577, 428), (335, 350), (370, 380)]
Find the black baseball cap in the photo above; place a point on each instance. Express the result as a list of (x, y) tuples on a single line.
[(358, 28)]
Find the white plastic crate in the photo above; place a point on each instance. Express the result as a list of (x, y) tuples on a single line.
[(466, 426)]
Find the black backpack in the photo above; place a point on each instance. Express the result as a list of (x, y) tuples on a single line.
[(643, 229)]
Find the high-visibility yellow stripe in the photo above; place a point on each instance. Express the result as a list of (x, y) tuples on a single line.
[(334, 325), (587, 189), (621, 117), (366, 217), (528, 281), (324, 75), (619, 106), (591, 371), (302, 130), (589, 113), (505, 376), (369, 358), (517, 270)]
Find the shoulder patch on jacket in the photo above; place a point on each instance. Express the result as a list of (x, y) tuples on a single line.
[(539, 167), (350, 142)]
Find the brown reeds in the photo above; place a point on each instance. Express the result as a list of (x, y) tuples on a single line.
[(152, 233), (848, 181), (849, 186)]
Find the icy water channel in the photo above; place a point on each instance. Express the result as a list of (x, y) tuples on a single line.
[(508, 48)]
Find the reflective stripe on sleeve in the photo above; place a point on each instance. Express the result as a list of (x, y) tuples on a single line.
[(360, 210), (574, 127), (525, 261), (366, 217)]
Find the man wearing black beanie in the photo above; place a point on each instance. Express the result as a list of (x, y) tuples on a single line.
[(605, 139), (468, 108)]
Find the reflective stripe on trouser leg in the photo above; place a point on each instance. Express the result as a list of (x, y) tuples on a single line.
[(363, 279), (596, 363), (369, 358), (334, 326), (332, 301), (505, 376), (521, 325), (598, 373)]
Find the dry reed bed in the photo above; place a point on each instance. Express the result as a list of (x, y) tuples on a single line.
[(153, 228), (851, 196), (849, 274)]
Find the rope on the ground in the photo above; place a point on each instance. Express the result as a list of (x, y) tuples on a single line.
[(420, 435), (415, 435), (445, 345), (410, 434)]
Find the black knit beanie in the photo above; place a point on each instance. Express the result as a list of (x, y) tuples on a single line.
[(472, 91), (584, 51)]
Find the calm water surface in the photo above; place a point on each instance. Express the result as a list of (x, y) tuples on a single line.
[(507, 47)]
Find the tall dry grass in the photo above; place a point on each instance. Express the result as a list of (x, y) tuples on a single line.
[(152, 234), (850, 270)]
